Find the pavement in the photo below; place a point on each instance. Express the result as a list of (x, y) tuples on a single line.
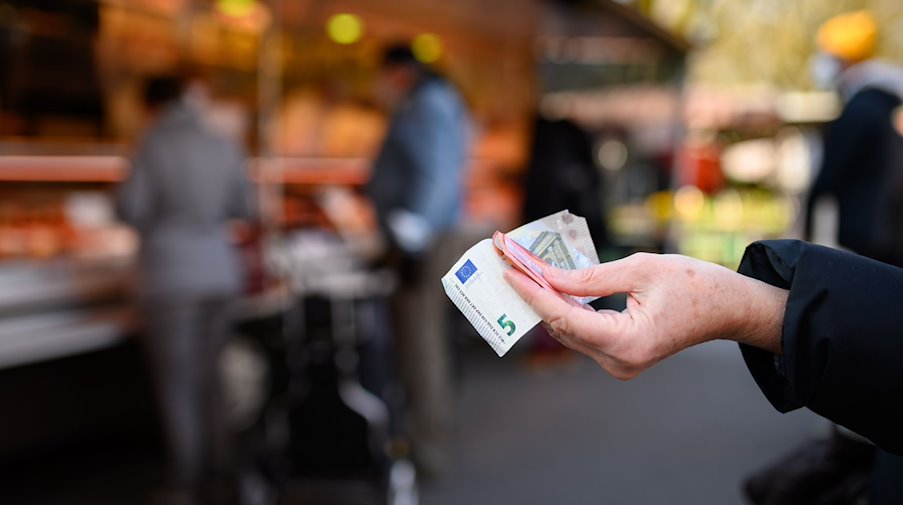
[(685, 432)]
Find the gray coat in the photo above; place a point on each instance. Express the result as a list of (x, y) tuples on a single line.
[(185, 184)]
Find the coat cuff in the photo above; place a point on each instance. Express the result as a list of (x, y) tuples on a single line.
[(775, 262), (840, 337)]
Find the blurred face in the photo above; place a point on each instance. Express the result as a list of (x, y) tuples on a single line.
[(393, 84), (197, 95), (825, 70)]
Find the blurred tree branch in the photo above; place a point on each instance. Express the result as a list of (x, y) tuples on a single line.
[(765, 41)]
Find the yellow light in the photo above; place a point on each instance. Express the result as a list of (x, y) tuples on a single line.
[(729, 210), (427, 47), (236, 8), (689, 202), (659, 204), (345, 28)]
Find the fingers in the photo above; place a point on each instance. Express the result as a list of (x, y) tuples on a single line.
[(620, 276), (608, 337), (541, 299), (573, 325)]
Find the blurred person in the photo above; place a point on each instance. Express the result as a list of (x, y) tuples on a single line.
[(862, 147), (894, 202), (416, 191), (562, 175), (862, 152), (184, 187), (817, 327)]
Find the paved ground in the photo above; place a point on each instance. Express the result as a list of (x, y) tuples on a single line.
[(685, 432)]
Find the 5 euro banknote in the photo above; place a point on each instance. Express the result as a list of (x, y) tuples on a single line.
[(475, 283)]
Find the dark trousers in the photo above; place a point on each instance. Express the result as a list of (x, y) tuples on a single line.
[(422, 343), (184, 338)]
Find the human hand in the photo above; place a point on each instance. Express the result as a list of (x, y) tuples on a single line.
[(673, 302)]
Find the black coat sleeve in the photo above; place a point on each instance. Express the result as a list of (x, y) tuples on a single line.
[(842, 337)]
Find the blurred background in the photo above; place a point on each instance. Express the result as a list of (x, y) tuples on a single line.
[(688, 126)]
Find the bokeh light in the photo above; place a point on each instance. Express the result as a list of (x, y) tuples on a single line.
[(345, 28), (427, 47), (689, 202), (612, 155), (237, 8)]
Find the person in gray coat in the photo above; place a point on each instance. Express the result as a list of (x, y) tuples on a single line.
[(185, 185)]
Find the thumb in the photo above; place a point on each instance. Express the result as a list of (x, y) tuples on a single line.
[(620, 276), (574, 326)]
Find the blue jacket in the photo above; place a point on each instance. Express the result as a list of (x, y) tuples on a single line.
[(420, 165)]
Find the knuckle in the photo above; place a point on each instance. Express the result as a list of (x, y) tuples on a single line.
[(621, 373), (627, 375), (639, 263), (551, 331), (635, 360), (529, 297), (560, 325), (647, 266), (640, 258), (586, 275)]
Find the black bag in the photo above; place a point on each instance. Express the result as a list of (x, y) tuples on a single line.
[(834, 471)]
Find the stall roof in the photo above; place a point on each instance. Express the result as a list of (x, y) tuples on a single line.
[(634, 19), (644, 24)]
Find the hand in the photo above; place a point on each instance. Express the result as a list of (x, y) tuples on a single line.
[(673, 302), (411, 233)]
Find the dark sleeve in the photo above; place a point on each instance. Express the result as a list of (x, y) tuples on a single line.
[(843, 351), (845, 137)]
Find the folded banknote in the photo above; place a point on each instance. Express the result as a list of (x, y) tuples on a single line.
[(476, 286)]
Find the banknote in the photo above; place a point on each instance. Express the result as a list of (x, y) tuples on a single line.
[(520, 258), (476, 286)]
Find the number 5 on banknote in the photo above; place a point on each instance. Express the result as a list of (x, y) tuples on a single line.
[(507, 324)]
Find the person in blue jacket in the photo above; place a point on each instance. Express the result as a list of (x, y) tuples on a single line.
[(416, 183), (416, 190)]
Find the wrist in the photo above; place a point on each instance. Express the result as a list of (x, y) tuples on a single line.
[(760, 315)]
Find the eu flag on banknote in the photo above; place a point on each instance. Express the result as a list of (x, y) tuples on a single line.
[(466, 270)]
